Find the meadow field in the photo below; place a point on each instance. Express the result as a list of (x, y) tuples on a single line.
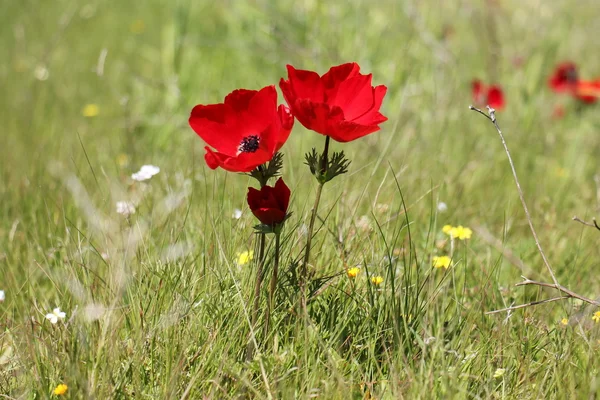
[(154, 280)]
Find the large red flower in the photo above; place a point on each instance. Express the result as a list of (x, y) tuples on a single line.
[(246, 130), (564, 78), (270, 204), (341, 104), (483, 95)]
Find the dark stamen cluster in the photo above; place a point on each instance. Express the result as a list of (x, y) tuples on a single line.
[(249, 144)]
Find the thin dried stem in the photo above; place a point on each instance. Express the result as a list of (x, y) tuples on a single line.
[(593, 224), (492, 118), (566, 291), (491, 115), (533, 303)]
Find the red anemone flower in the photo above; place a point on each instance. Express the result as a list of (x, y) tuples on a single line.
[(341, 104), (246, 130), (270, 204), (564, 78), (588, 91), (483, 95)]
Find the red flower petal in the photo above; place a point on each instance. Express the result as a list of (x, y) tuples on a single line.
[(347, 131), (269, 216), (340, 73), (244, 162), (354, 96), (588, 91), (317, 116), (477, 89), (495, 97), (305, 84), (282, 193), (215, 124), (239, 100), (373, 116)]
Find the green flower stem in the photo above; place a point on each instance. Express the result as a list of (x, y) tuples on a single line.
[(273, 285), (258, 281), (257, 285), (311, 226)]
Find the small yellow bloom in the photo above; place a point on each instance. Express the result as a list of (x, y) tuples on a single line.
[(596, 316), (377, 280), (441, 262), (90, 110), (353, 272), (60, 389), (459, 232), (499, 372), (564, 321), (245, 257), (463, 233)]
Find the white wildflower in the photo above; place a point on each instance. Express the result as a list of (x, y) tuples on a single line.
[(442, 207), (41, 73), (125, 208), (55, 315), (237, 214), (145, 173), (2, 296)]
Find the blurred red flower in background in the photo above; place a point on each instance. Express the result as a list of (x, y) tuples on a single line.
[(565, 79), (246, 130), (588, 91), (341, 104), (270, 204), (484, 95)]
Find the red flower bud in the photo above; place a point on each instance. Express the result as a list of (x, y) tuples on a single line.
[(270, 204)]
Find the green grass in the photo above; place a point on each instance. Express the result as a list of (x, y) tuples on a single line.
[(165, 315)]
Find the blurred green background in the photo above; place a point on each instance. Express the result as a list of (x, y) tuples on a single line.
[(92, 90)]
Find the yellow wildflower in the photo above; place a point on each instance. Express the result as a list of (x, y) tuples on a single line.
[(377, 280), (564, 321), (245, 257), (90, 110), (596, 316), (499, 372), (441, 262), (459, 232), (353, 272), (60, 389), (463, 233)]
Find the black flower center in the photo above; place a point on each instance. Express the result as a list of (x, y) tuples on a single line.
[(249, 144)]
